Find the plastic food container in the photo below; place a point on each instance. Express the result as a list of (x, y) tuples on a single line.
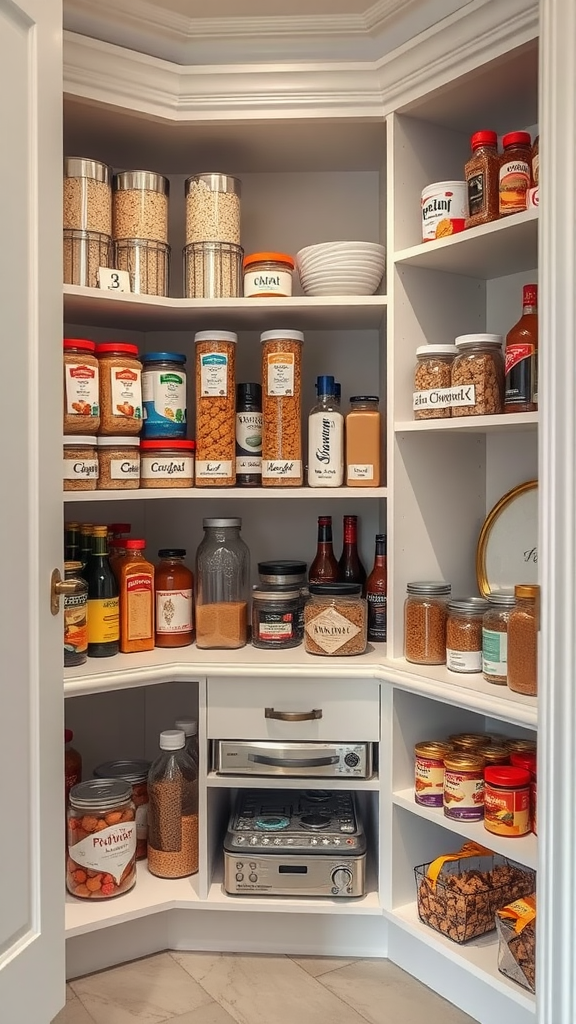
[(433, 374), (268, 274), (118, 463), (507, 801), (429, 773), (215, 408), (282, 408), (140, 205), (164, 395), (425, 622), (276, 618), (444, 209), (167, 464), (120, 389), (516, 926), (81, 392), (135, 773), (335, 620), (80, 463), (478, 375), (87, 195), (103, 807)]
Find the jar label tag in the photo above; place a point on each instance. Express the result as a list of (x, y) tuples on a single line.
[(213, 375), (330, 630), (110, 850), (174, 611), (441, 398), (214, 469), (280, 377), (122, 469)]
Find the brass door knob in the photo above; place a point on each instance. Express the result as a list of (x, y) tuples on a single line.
[(58, 586)]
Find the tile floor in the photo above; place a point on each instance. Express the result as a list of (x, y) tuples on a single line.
[(222, 988)]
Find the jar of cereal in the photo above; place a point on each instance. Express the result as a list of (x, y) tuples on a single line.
[(282, 408), (215, 408), (478, 374), (432, 375)]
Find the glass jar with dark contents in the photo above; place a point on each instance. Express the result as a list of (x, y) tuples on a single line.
[(276, 618)]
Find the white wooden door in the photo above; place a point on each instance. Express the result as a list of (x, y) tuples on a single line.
[(31, 706)]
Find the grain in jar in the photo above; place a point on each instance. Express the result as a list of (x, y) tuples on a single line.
[(118, 463), (87, 195), (106, 867), (425, 622), (335, 620), (147, 262), (222, 575), (213, 208), (140, 205), (432, 377), (166, 464), (173, 809), (120, 372), (81, 389), (80, 472), (464, 634), (523, 626), (215, 408), (478, 375), (464, 787), (495, 636), (282, 408), (212, 270), (429, 773)]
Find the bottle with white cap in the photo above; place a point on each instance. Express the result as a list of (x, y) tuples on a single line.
[(173, 809), (189, 726), (326, 437)]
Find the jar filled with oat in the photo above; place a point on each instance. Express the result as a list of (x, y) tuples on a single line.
[(173, 809), (213, 208), (425, 622), (118, 463), (478, 375), (464, 634), (282, 408), (495, 636), (120, 389), (433, 373), (140, 205), (81, 390), (215, 408), (87, 195)]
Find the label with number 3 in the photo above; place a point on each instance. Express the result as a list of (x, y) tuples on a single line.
[(113, 280)]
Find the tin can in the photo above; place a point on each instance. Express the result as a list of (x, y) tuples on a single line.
[(507, 801), (444, 209), (464, 787), (429, 773)]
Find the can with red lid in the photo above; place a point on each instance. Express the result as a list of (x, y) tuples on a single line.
[(167, 463), (507, 800), (120, 389), (515, 172)]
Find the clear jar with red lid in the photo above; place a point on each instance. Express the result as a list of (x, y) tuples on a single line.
[(120, 389), (515, 173), (507, 801), (167, 463), (81, 390), (482, 177)]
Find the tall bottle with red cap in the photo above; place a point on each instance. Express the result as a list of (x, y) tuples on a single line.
[(521, 357), (136, 584), (482, 176)]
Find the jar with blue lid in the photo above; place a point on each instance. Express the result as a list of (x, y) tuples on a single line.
[(164, 395)]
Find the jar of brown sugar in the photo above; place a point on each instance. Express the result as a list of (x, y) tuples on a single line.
[(433, 373), (523, 628), (495, 636), (478, 375), (120, 389), (425, 623), (119, 463), (482, 176), (215, 408), (335, 620), (80, 463), (81, 392), (464, 634), (281, 408)]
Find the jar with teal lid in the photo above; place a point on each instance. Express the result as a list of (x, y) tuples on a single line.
[(164, 395)]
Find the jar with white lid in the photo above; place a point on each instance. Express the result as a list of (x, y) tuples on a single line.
[(118, 463), (432, 377), (268, 275), (80, 463), (478, 375)]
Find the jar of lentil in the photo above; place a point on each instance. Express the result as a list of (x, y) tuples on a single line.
[(495, 636), (75, 615), (87, 195), (166, 464), (140, 205), (523, 626), (429, 773), (478, 375), (120, 389), (268, 275), (173, 809), (282, 408), (464, 634), (222, 579), (101, 807), (464, 787), (276, 618), (81, 391), (215, 408), (213, 208), (335, 620), (507, 801), (164, 395), (136, 774), (118, 463), (433, 373), (80, 463), (425, 623)]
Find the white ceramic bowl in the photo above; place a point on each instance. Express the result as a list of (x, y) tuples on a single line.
[(362, 267), (333, 247), (335, 288), (342, 277)]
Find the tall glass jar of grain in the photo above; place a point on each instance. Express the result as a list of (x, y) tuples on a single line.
[(215, 408), (87, 220), (282, 408), (523, 626), (140, 205), (222, 575), (425, 622), (213, 208)]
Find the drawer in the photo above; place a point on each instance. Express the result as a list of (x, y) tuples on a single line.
[(344, 709)]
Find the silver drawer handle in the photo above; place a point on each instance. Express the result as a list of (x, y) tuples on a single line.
[(293, 716)]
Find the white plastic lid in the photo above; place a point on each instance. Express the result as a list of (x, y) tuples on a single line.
[(216, 336), (479, 339), (113, 442), (436, 186), (436, 350), (189, 726), (79, 440), (282, 335), (172, 739)]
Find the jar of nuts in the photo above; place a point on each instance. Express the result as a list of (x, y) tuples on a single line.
[(478, 373), (282, 408), (140, 205), (425, 623), (215, 408), (464, 634), (433, 373)]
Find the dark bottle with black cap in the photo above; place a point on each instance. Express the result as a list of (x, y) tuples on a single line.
[(249, 435)]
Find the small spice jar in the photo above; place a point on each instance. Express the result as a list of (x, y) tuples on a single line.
[(215, 408), (464, 787), (469, 741), (166, 464), (87, 195), (268, 275), (478, 374), (120, 389), (276, 618), (136, 774), (433, 374), (507, 801), (335, 620), (523, 626), (81, 393), (464, 634), (282, 408), (75, 615), (514, 173), (429, 773), (164, 395), (99, 870), (140, 205), (482, 177), (80, 464), (118, 463), (495, 636), (425, 623)]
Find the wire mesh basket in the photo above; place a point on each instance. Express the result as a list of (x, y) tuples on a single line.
[(84, 252), (147, 262), (213, 270)]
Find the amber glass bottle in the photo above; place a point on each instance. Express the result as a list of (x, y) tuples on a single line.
[(521, 357), (324, 568), (136, 584), (174, 591), (376, 593)]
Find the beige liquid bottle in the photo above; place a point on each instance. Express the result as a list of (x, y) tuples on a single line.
[(363, 442)]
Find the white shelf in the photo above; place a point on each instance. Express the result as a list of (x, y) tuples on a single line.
[(506, 423), (523, 850), (286, 782), (479, 956), (90, 306), (191, 493), (502, 247)]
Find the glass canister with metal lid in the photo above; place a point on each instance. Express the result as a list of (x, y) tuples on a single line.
[(213, 208), (425, 622), (464, 634), (495, 636), (101, 807), (87, 195), (136, 773), (140, 205), (222, 574)]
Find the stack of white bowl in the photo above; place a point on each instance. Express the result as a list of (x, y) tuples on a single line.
[(341, 268)]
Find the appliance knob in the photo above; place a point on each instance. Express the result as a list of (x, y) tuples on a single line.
[(351, 760), (341, 878)]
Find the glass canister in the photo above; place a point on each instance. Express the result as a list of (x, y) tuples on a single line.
[(120, 389), (523, 626), (464, 634), (495, 636), (276, 618), (75, 615), (213, 208), (140, 205), (215, 408), (432, 374), (81, 392), (335, 620), (164, 395), (135, 773), (222, 579), (478, 371), (173, 809), (101, 807), (87, 195), (425, 622), (282, 408)]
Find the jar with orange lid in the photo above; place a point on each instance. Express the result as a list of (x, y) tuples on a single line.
[(429, 772), (268, 275), (523, 626), (464, 786)]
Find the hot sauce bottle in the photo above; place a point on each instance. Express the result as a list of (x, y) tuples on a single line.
[(174, 592), (136, 584), (521, 355)]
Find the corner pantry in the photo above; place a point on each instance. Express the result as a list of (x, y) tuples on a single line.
[(316, 165)]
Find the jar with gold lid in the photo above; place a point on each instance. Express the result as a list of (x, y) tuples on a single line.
[(429, 772), (464, 786)]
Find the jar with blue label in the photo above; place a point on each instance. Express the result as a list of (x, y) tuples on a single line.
[(164, 395)]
